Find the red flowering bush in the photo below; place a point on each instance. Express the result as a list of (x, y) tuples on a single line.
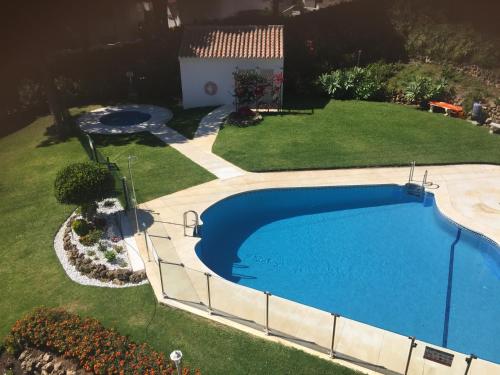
[(94, 347)]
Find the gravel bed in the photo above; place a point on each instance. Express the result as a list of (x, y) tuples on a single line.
[(71, 270)]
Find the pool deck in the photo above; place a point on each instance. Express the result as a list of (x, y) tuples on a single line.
[(467, 194)]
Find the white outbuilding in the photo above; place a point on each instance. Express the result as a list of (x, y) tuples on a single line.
[(209, 55)]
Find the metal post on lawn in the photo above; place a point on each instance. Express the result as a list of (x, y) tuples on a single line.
[(134, 198), (208, 291), (469, 361), (92, 148), (413, 345), (334, 328), (268, 294)]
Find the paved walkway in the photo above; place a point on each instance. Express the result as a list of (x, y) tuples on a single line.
[(199, 149)]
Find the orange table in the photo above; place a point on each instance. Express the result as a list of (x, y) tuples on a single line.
[(448, 108)]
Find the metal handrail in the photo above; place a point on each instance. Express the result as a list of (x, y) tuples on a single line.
[(196, 222)]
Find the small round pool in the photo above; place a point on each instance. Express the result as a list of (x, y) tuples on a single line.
[(125, 118)]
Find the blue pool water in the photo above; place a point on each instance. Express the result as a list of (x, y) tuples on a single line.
[(124, 118), (374, 254)]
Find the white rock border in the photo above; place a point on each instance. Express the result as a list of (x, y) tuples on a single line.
[(71, 270), (91, 122)]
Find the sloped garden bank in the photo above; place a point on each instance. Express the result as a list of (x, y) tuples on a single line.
[(54, 337)]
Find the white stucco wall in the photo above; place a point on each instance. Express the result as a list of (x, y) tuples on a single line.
[(195, 73)]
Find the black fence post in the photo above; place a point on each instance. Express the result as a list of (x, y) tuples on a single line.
[(267, 312), (125, 191), (469, 361), (412, 346), (161, 279), (208, 291), (334, 328)]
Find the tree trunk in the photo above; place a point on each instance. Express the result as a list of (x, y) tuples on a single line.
[(56, 107), (276, 7)]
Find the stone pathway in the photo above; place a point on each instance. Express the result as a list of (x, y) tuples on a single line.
[(199, 149)]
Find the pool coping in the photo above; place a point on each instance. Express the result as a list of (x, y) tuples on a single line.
[(199, 198)]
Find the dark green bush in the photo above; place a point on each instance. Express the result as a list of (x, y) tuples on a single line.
[(422, 89), (369, 83), (91, 238), (82, 184), (81, 227)]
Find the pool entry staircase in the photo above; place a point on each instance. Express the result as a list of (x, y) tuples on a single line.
[(416, 187)]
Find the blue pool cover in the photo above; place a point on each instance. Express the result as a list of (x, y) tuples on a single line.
[(124, 118), (374, 254)]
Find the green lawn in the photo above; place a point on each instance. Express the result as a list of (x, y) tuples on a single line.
[(356, 134), (30, 274), (157, 169), (186, 121)]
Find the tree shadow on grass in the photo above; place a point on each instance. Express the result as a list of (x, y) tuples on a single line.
[(186, 121), (142, 138)]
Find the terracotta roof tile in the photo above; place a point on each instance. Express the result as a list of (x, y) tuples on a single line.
[(249, 41)]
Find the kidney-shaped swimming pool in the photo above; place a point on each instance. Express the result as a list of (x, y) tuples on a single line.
[(375, 254)]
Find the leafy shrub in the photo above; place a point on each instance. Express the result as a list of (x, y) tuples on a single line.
[(108, 203), (81, 227), (118, 249), (422, 89), (250, 86), (91, 238), (91, 253), (85, 340), (369, 83), (110, 255), (82, 184), (102, 247), (122, 263)]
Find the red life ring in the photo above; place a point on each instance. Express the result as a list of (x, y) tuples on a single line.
[(210, 88)]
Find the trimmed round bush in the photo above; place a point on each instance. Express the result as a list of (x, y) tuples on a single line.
[(83, 183), (81, 227)]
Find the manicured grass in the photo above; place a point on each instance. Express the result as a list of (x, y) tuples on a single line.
[(356, 134), (30, 274), (157, 169), (186, 121)]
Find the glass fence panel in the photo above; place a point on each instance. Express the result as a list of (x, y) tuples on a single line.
[(239, 301), (299, 321), (177, 284), (358, 340), (394, 351), (199, 282)]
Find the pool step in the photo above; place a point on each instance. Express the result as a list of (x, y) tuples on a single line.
[(415, 189)]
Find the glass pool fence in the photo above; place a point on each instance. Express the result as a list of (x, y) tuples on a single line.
[(325, 332)]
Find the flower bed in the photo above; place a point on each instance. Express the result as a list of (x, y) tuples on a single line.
[(86, 340), (244, 117), (97, 249)]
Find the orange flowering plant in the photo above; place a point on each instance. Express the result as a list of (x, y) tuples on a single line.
[(86, 340)]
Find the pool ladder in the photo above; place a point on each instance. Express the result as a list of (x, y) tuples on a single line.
[(416, 188), (196, 224)]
